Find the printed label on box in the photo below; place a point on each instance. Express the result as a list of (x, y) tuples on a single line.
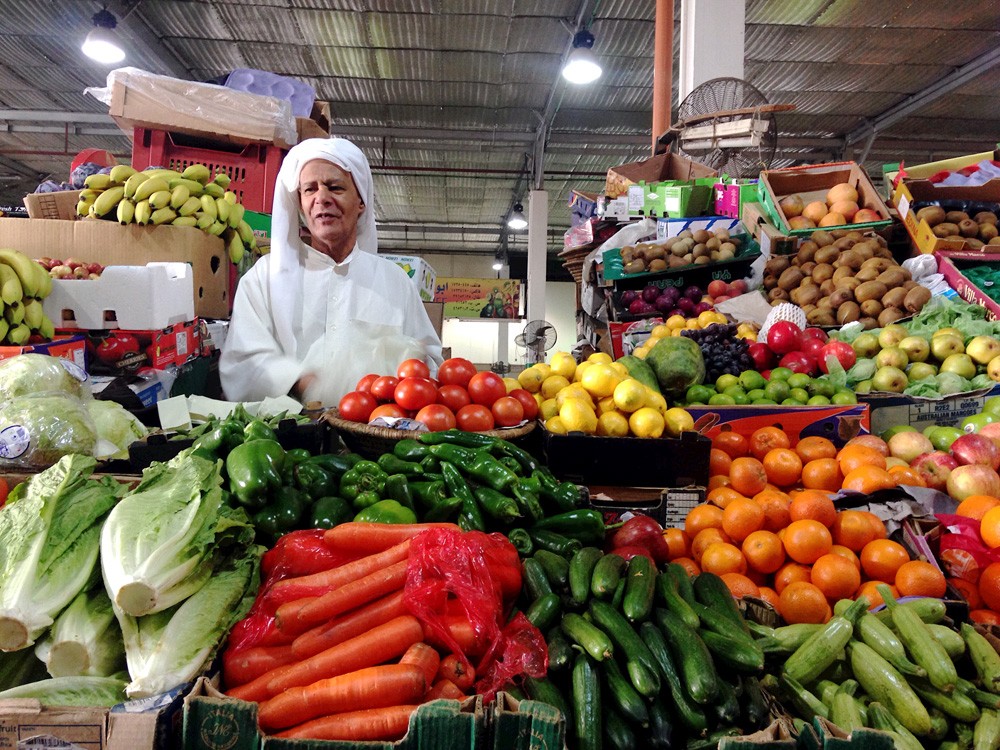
[(636, 198)]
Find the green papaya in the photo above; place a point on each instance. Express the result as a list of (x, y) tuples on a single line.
[(641, 371), (677, 363)]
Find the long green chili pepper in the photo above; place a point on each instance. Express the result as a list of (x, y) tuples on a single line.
[(456, 454), (497, 504), (397, 487), (553, 542), (527, 501), (457, 437), (487, 470), (392, 464), (522, 541), (584, 524), (443, 511), (529, 464), (470, 517), (409, 449)]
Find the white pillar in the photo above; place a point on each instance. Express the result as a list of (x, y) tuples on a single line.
[(538, 231), (503, 332), (711, 44)]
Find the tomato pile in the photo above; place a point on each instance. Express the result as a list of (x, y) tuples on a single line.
[(460, 396)]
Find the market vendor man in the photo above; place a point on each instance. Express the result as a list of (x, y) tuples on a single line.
[(310, 320)]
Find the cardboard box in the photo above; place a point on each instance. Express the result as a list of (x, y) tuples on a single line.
[(435, 311), (70, 346), (950, 265), (812, 182), (837, 423), (627, 336), (676, 198), (134, 297), (419, 270), (58, 205), (109, 243), (317, 125), (669, 227), (161, 348), (730, 197), (525, 725), (772, 240), (668, 507), (654, 169), (893, 173), (892, 409), (910, 197)]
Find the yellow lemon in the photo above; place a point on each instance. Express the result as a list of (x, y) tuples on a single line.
[(612, 424), (660, 331), (552, 385), (677, 420), (640, 352), (555, 425), (606, 404), (578, 416), (630, 395), (675, 322), (511, 384), (600, 380), (543, 368), (646, 422), (692, 325), (709, 317), (548, 408), (563, 363), (656, 400), (600, 358), (530, 379), (574, 390), (538, 399), (621, 369), (580, 369)]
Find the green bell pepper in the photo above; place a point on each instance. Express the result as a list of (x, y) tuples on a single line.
[(457, 437), (386, 511), (497, 505), (221, 439), (292, 459), (409, 449), (392, 464), (363, 484), (330, 511), (397, 487), (314, 480), (254, 470), (584, 524), (257, 429), (290, 505), (337, 464)]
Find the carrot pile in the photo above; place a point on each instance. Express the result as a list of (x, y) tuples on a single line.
[(340, 657)]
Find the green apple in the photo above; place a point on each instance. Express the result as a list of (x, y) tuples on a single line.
[(943, 437), (896, 429), (960, 364), (975, 422)]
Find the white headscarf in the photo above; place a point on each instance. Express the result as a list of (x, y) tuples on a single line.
[(286, 265)]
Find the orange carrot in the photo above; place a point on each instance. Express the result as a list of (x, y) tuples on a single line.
[(240, 667), (375, 537), (454, 669), (353, 623), (372, 687), (388, 724), (444, 689), (320, 583), (426, 658), (300, 615), (470, 643)]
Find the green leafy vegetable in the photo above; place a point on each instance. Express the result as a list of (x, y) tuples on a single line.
[(20, 668), (85, 639), (52, 425), (117, 428), (950, 383), (72, 691), (26, 374)]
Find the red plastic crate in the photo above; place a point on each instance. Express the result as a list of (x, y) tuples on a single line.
[(252, 168)]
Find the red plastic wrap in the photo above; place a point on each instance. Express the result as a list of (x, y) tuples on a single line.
[(962, 552)]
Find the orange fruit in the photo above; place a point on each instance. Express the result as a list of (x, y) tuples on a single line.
[(718, 462), (807, 540), (868, 479), (678, 543), (689, 565), (769, 595), (975, 506), (989, 527), (852, 529), (920, 578), (822, 474), (765, 439), (877, 524), (905, 475), (815, 505), (742, 517), (869, 591), (789, 573), (989, 586), (761, 579), (853, 456), (782, 466), (763, 551), (881, 558), (984, 616), (723, 557), (704, 539), (718, 481), (733, 443), (969, 592), (700, 517), (739, 585), (747, 476), (835, 576), (722, 496), (814, 447), (775, 506), (847, 554), (803, 602)]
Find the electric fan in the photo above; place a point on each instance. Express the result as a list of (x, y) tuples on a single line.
[(537, 337)]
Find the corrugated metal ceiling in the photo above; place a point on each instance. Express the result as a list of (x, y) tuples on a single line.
[(445, 95)]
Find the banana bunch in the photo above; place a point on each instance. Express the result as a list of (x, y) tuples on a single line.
[(192, 198), (23, 286)]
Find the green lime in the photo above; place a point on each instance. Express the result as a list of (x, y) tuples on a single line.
[(726, 381), (765, 402), (777, 390), (799, 395), (700, 393), (791, 402), (741, 399), (821, 387), (752, 380), (818, 401), (781, 373), (756, 393), (734, 389), (943, 437), (695, 403), (843, 398), (799, 380), (721, 399)]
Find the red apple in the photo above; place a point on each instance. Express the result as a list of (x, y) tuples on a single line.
[(721, 298), (973, 479), (973, 448), (934, 468), (717, 287), (763, 357), (992, 431), (95, 268), (871, 441), (909, 445), (841, 351)]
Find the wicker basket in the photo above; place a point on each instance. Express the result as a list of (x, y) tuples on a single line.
[(372, 442), (573, 261)]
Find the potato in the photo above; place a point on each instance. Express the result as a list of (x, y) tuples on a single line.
[(871, 308), (827, 254), (916, 298), (892, 277), (713, 243), (722, 235), (947, 229), (790, 278), (702, 260), (890, 315), (701, 235), (777, 295), (894, 297), (700, 251), (870, 290), (933, 215), (956, 217), (848, 313), (725, 254)]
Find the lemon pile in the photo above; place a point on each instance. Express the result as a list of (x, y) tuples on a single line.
[(597, 397)]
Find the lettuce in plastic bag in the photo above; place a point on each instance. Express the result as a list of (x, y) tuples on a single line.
[(34, 373), (923, 388), (39, 429), (117, 428), (949, 383)]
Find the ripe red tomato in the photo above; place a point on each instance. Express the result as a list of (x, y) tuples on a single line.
[(383, 387), (474, 418), (456, 371), (453, 396), (486, 387), (528, 402), (507, 411), (365, 384), (357, 406), (415, 393), (386, 410), (412, 368), (437, 417)]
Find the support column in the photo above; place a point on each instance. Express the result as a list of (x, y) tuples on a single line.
[(538, 223), (663, 67), (712, 42)]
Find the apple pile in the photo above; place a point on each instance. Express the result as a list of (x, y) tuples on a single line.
[(71, 268), (802, 351), (671, 300)]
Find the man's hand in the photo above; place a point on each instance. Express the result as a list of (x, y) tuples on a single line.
[(302, 385)]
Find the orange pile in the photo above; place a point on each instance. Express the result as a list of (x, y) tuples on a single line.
[(770, 528)]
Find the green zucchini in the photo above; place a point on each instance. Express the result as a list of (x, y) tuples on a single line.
[(587, 636), (544, 611), (607, 572), (622, 695), (536, 583), (787, 638), (712, 591), (692, 657), (982, 698), (556, 569), (689, 712), (668, 594), (958, 704), (844, 709), (986, 734), (805, 702), (939, 725), (616, 599), (587, 714), (882, 719), (950, 640), (581, 571), (884, 684), (640, 584), (825, 645), (755, 711), (920, 644), (984, 657), (618, 732), (543, 691), (640, 664), (886, 643), (712, 741), (928, 609)]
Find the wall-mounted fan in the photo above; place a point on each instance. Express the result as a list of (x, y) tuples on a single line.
[(537, 337), (500, 367)]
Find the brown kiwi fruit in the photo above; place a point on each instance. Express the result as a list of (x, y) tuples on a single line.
[(806, 253), (822, 238), (968, 228), (840, 297), (871, 308), (822, 272), (827, 254), (956, 217), (841, 273), (657, 264), (987, 231), (947, 229), (890, 315), (933, 215), (828, 287), (848, 312), (985, 217), (868, 323), (894, 297), (701, 235), (778, 295)]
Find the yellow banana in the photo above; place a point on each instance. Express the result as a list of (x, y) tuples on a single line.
[(98, 181), (214, 190), (195, 188), (222, 208), (236, 215), (235, 247), (222, 180), (132, 183), (209, 207), (10, 285), (190, 207), (163, 215), (25, 268), (142, 212), (120, 173), (4, 327), (44, 283), (46, 329), (216, 229), (150, 186), (126, 211), (197, 172), (204, 220), (230, 197), (91, 211), (246, 233), (179, 196), (107, 200), (160, 199), (89, 195), (166, 174), (14, 313), (185, 221), (33, 313), (83, 208), (18, 334)]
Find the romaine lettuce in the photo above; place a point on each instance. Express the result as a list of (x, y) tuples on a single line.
[(73, 691), (85, 639)]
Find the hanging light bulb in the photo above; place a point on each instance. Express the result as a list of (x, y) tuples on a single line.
[(581, 66), (102, 43), (517, 220), (497, 263)]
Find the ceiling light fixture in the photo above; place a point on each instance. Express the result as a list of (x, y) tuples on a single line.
[(497, 262), (102, 43), (517, 220), (581, 66)]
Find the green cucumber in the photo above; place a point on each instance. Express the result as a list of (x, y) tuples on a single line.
[(560, 652), (556, 569), (733, 653), (667, 592), (581, 571), (691, 655), (640, 583), (685, 587), (587, 716), (535, 581), (689, 712), (622, 695), (618, 732), (712, 591), (639, 661), (755, 711), (587, 636), (661, 726), (543, 691), (607, 572), (619, 595), (726, 706), (544, 611)]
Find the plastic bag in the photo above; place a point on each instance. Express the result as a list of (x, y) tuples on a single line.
[(962, 552), (39, 429)]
